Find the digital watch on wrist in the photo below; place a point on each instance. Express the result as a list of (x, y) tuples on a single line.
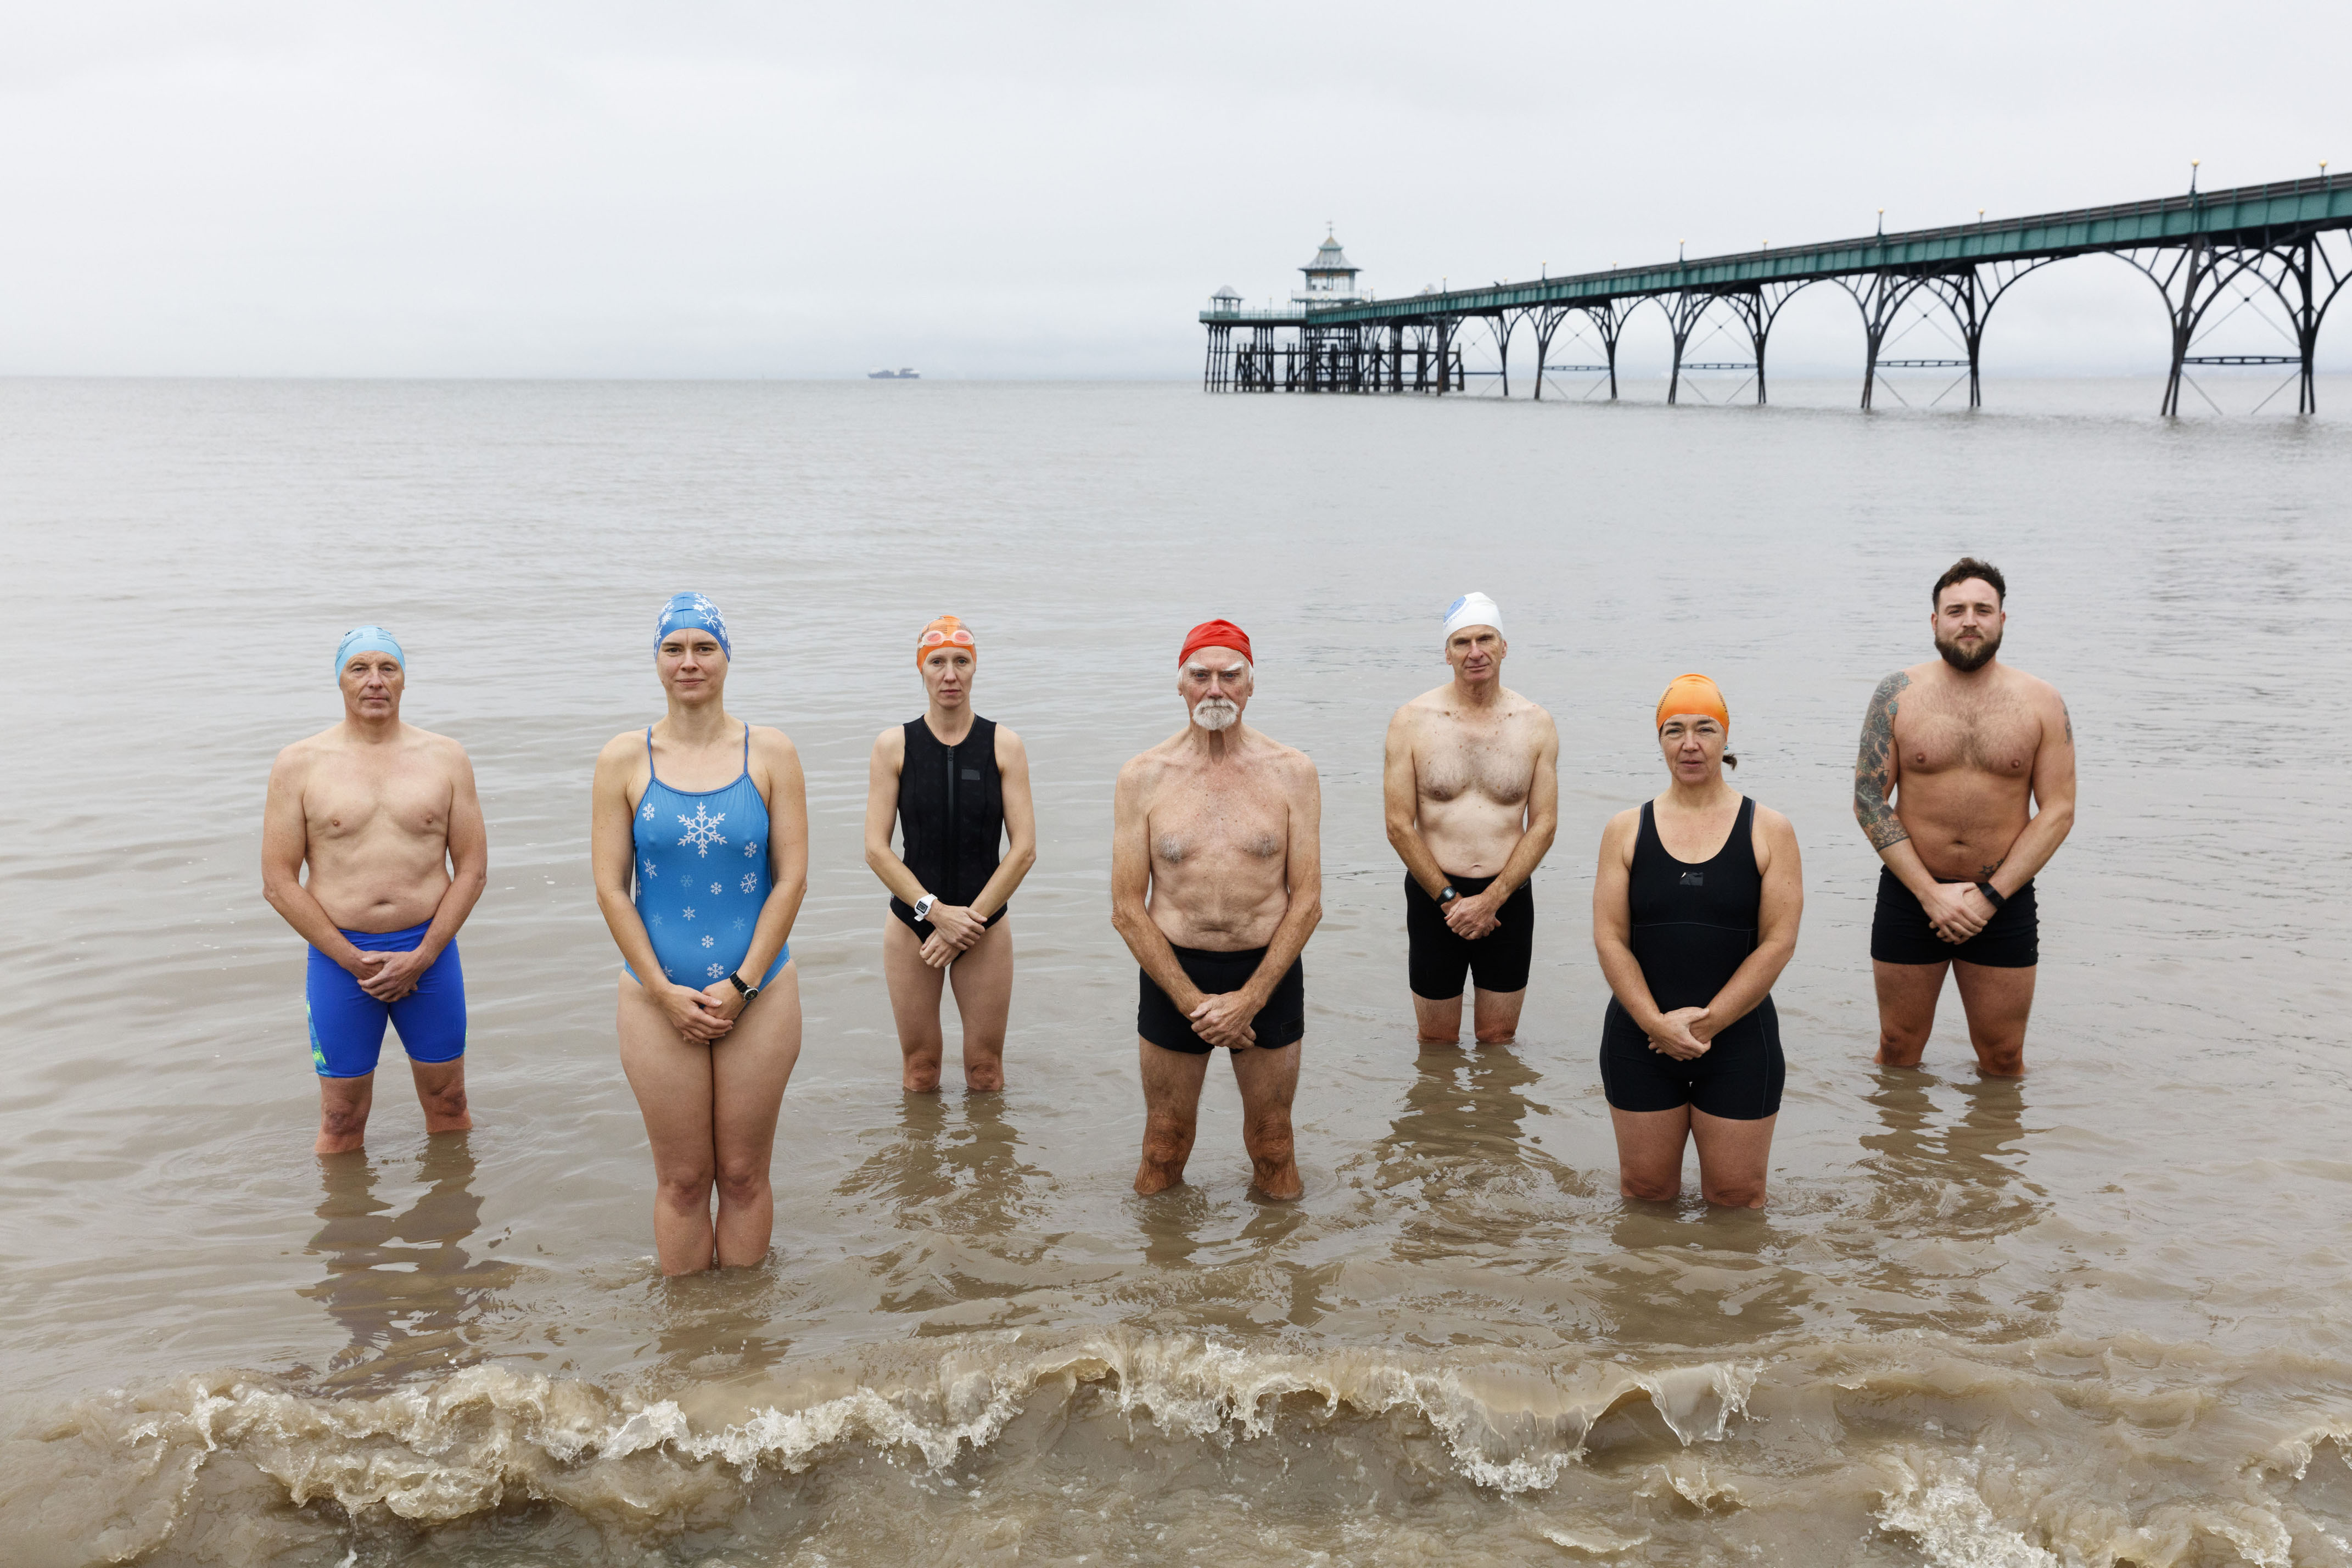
[(923, 905), (1448, 894)]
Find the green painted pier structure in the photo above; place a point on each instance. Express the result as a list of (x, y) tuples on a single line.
[(2291, 240)]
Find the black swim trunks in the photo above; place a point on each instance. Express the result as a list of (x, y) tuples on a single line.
[(1899, 932), (1281, 1022), (1740, 1078), (1440, 961)]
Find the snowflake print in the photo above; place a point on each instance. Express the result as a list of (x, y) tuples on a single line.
[(716, 972), (750, 849), (701, 830), (710, 941), (687, 911), (716, 890), (649, 811), (751, 880), (657, 920), (739, 924), (649, 870), (668, 973)]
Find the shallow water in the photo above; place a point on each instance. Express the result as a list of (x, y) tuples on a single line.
[(2098, 1317)]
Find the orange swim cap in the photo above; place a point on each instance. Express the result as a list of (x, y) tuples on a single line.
[(945, 632), (1693, 694)]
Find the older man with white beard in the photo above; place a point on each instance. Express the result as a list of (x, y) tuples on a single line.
[(1216, 884)]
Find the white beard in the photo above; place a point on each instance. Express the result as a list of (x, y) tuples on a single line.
[(1215, 713)]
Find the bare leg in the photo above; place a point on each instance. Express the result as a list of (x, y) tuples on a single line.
[(1171, 1113), (749, 1069), (1496, 1017), (1439, 1022), (671, 1078), (343, 1105), (441, 1090), (1733, 1158), (1906, 1009), (1998, 1001), (915, 1006), (1269, 1082), (1650, 1152), (982, 978)]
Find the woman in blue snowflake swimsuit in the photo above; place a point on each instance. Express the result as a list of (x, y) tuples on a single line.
[(701, 858)]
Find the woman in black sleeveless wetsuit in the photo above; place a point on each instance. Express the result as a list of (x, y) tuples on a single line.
[(1694, 914), (957, 785)]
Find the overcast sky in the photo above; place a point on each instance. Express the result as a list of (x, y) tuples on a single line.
[(1011, 189)]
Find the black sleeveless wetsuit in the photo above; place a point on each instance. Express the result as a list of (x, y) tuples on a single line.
[(950, 818), (1694, 926)]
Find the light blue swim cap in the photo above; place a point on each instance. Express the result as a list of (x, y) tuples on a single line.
[(367, 639), (692, 610)]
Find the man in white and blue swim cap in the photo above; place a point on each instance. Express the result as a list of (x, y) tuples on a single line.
[(386, 817), (1471, 787)]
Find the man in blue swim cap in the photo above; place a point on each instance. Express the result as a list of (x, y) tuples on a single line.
[(385, 816)]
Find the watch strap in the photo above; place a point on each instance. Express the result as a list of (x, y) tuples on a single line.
[(1448, 894), (1993, 898), (749, 991)]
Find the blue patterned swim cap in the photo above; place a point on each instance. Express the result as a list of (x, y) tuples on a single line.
[(367, 639), (692, 610)]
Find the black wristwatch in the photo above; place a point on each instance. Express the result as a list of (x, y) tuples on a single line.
[(749, 991), (1995, 900), (1448, 894)]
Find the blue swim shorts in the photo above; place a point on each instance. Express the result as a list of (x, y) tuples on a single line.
[(347, 1023)]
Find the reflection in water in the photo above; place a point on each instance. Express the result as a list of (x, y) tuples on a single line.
[(1943, 1196), (1459, 1131), (402, 1285), (943, 1172)]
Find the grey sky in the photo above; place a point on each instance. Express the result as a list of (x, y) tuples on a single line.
[(1050, 189)]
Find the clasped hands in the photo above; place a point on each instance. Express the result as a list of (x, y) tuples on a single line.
[(1956, 910), (703, 1018), (393, 975), (1473, 915), (954, 928), (1684, 1034), (1224, 1020)]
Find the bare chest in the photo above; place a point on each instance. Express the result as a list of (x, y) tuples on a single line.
[(1492, 762), (346, 801), (1995, 737), (1193, 825)]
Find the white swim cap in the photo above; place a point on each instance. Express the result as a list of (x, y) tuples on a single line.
[(1472, 610)]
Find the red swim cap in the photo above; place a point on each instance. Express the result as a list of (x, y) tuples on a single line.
[(1215, 634)]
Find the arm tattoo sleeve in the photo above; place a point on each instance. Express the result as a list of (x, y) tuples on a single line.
[(1874, 770)]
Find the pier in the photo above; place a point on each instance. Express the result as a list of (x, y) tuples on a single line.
[(2289, 239)]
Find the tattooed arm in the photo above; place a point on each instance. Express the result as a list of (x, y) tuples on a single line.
[(1876, 774)]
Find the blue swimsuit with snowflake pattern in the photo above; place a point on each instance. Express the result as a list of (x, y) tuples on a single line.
[(702, 874)]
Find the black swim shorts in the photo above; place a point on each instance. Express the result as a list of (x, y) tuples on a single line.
[(1281, 1022), (1899, 932), (1740, 1078), (1440, 961)]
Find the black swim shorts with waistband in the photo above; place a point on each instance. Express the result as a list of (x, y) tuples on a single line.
[(1440, 961), (1281, 1022), (1899, 932)]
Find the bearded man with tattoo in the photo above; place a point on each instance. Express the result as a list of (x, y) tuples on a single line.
[(1966, 788)]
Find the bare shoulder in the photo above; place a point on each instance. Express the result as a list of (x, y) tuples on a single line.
[(620, 747), (1289, 760), (1531, 713), (299, 757), (890, 745), (1618, 833), (1008, 743), (1432, 701), (443, 749), (1775, 824), (2034, 688), (772, 746)]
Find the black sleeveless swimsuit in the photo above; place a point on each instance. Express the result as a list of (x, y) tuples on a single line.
[(1694, 926), (950, 818)]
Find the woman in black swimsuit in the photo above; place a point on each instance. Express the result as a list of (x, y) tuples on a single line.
[(957, 785), (1694, 914)]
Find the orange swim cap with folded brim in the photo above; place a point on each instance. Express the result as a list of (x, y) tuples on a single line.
[(945, 632), (1693, 694)]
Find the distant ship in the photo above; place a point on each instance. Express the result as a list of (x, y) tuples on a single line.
[(903, 373)]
